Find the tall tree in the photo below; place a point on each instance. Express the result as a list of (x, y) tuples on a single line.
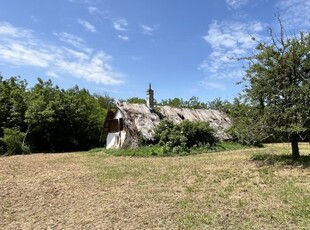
[(13, 103), (278, 84)]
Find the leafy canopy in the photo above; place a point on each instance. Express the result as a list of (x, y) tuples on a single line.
[(278, 85)]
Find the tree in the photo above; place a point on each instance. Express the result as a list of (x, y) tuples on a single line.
[(39, 115), (278, 85), (136, 100), (219, 104), (175, 102), (13, 103), (247, 127), (192, 103), (63, 120)]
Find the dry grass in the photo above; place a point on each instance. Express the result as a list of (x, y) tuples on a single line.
[(227, 190)]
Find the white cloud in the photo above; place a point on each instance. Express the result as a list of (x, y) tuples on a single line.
[(120, 24), (20, 54), (229, 40), (95, 69), (21, 47), (147, 29), (236, 4), (89, 27), (52, 74), (7, 30), (295, 14), (124, 38)]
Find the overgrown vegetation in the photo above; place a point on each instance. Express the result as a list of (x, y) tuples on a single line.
[(183, 137), (12, 142), (161, 151)]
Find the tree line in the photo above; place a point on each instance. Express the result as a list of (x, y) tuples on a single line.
[(46, 118)]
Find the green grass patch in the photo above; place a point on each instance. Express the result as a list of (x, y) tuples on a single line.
[(159, 151), (281, 159)]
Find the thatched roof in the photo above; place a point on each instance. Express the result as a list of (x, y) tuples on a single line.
[(139, 120), (217, 119)]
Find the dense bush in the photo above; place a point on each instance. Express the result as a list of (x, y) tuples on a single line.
[(184, 136), (12, 142)]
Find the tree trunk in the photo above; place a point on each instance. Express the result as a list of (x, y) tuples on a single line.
[(27, 132), (295, 149)]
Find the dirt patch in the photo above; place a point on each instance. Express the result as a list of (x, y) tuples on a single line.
[(46, 191)]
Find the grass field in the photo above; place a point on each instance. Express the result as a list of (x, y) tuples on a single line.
[(240, 189)]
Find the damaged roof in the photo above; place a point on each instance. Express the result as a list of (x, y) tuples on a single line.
[(139, 118)]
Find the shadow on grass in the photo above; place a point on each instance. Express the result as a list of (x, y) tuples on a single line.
[(285, 160)]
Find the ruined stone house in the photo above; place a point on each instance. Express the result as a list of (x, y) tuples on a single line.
[(133, 122)]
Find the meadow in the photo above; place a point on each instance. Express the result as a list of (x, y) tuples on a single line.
[(249, 188)]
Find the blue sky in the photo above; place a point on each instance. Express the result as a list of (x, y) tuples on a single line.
[(117, 47)]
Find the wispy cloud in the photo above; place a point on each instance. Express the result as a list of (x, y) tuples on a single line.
[(147, 29), (73, 40), (89, 27), (236, 4), (120, 24), (124, 38), (97, 12), (295, 14), (20, 46), (229, 40)]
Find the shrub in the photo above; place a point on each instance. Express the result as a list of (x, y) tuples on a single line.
[(12, 142), (198, 133), (3, 147), (184, 136)]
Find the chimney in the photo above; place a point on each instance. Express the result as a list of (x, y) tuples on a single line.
[(150, 98)]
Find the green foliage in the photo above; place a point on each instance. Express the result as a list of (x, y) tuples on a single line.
[(277, 88), (52, 119), (13, 103), (136, 100), (12, 142), (184, 136), (63, 120), (192, 103), (219, 104), (163, 151), (246, 124)]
